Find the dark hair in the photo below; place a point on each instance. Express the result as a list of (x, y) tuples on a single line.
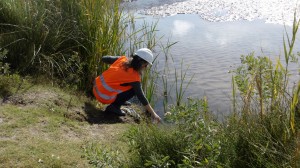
[(135, 62)]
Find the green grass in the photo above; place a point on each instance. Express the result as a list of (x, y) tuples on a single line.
[(34, 133), (35, 151)]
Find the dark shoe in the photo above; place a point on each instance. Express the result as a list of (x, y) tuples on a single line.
[(113, 109)]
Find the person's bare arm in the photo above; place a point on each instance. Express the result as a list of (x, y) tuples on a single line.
[(141, 96)]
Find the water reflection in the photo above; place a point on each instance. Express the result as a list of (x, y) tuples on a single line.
[(182, 27)]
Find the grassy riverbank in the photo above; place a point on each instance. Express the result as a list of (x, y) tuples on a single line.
[(50, 119)]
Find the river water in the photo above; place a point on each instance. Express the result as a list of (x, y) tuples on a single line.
[(212, 35)]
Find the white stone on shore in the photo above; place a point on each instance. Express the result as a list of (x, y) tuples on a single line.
[(272, 11)]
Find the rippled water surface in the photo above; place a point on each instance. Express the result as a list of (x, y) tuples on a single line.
[(211, 49)]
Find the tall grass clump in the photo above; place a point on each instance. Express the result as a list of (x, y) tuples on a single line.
[(42, 37), (62, 39)]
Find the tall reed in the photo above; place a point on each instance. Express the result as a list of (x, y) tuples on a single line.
[(180, 80), (166, 89), (234, 101), (288, 54)]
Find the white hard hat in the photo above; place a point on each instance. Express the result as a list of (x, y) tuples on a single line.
[(145, 54)]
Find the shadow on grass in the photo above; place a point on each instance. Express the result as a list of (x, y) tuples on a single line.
[(97, 116)]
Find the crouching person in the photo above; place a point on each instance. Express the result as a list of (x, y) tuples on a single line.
[(122, 80)]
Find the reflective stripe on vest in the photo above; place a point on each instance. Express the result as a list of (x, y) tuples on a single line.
[(107, 98), (103, 96), (108, 87)]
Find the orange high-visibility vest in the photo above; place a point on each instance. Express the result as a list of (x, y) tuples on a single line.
[(108, 84)]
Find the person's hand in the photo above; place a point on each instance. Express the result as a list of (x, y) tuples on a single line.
[(156, 118)]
